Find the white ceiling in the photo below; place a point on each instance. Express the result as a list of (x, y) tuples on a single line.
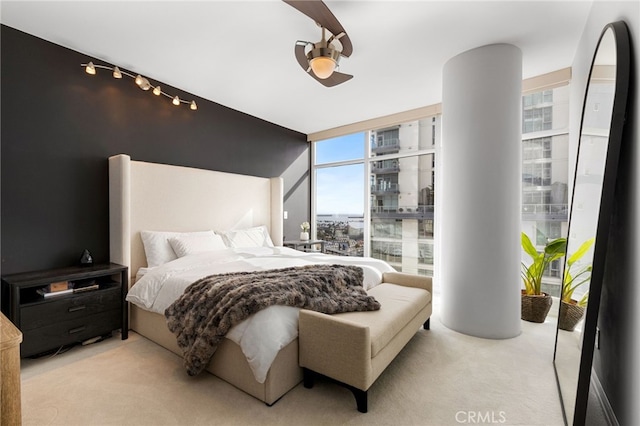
[(240, 53)]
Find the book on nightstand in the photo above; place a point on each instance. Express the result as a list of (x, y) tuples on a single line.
[(66, 287), (56, 289), (46, 293), (85, 285), (86, 288), (58, 286)]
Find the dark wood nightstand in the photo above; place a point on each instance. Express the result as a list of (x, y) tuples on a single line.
[(50, 322)]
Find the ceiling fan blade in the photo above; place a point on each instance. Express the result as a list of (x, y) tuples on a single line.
[(347, 47), (335, 79), (302, 57), (320, 13)]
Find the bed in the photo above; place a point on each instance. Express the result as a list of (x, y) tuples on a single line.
[(156, 197)]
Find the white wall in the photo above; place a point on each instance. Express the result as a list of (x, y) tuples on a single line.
[(622, 381)]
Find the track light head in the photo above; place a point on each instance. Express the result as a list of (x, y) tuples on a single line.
[(90, 68)]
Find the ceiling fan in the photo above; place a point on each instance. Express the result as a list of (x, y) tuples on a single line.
[(320, 59)]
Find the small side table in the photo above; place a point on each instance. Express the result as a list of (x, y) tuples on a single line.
[(308, 246), (47, 323)]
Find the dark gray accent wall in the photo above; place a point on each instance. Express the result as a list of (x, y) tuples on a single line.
[(59, 125)]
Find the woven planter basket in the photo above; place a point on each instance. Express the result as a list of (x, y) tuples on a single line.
[(570, 315), (535, 307)]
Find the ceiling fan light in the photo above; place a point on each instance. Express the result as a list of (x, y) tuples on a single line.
[(322, 67), (323, 61)]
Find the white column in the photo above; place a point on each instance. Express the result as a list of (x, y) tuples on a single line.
[(479, 192)]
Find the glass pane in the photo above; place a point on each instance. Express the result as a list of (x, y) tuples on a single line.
[(545, 176), (402, 200), (426, 253), (343, 148), (546, 110), (340, 209), (406, 137)]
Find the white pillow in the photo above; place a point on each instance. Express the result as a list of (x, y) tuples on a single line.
[(250, 237), (186, 244), (157, 247)]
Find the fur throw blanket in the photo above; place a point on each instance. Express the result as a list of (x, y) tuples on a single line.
[(208, 308)]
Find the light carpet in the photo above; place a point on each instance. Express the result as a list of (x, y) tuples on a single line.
[(440, 378)]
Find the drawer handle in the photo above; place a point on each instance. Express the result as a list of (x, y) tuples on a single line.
[(77, 330), (77, 308)]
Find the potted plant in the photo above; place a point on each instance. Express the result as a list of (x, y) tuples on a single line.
[(535, 303), (571, 310)]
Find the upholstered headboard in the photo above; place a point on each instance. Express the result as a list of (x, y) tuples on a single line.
[(160, 197)]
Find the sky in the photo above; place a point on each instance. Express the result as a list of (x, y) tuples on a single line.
[(349, 147), (340, 189)]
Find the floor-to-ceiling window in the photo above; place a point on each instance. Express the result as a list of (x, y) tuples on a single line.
[(402, 173), (339, 194), (394, 221), (545, 177), (391, 171)]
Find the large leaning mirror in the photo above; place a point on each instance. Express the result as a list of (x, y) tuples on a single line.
[(594, 183)]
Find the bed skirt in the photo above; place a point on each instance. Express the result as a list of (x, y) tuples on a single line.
[(228, 363)]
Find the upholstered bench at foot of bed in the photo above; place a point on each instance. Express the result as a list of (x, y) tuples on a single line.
[(354, 348)]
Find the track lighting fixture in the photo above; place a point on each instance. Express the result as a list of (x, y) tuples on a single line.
[(140, 81)]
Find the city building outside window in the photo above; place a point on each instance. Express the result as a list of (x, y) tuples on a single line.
[(397, 225), (545, 176), (390, 172), (402, 196)]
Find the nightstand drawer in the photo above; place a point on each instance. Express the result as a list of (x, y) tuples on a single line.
[(65, 332), (68, 308)]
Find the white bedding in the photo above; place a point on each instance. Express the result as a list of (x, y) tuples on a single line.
[(262, 335)]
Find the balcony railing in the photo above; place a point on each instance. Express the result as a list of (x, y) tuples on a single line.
[(385, 188), (401, 209), (385, 145), (546, 211), (389, 168), (403, 212)]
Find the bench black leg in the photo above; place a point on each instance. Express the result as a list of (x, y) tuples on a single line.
[(427, 324), (361, 398), (308, 378)]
